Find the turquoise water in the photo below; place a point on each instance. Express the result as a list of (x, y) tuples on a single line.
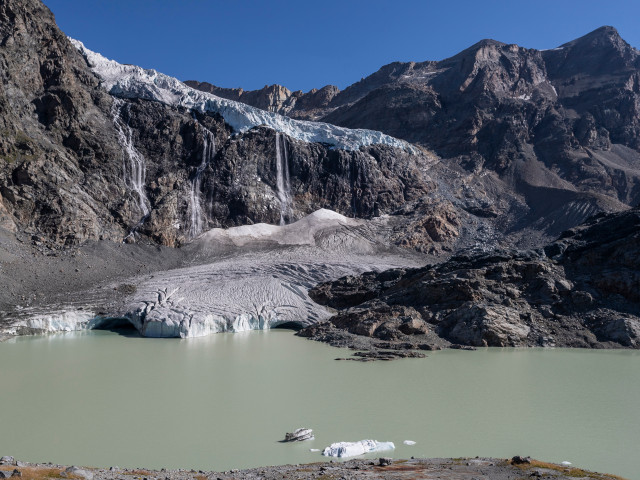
[(224, 401)]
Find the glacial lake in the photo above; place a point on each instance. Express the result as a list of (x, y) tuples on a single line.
[(224, 401)]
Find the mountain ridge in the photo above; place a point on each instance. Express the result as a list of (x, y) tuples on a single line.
[(567, 118)]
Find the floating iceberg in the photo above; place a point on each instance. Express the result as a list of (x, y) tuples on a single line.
[(409, 442), (352, 449)]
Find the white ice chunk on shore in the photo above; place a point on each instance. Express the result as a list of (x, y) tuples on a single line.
[(353, 449), (130, 81)]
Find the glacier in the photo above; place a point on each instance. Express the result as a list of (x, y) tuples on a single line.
[(131, 81), (253, 277), (353, 449)]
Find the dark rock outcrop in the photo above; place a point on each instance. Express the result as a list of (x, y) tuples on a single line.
[(582, 290)]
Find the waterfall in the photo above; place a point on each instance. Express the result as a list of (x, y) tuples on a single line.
[(282, 178), (133, 164), (208, 152)]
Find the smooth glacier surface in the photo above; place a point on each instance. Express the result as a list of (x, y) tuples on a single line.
[(131, 81)]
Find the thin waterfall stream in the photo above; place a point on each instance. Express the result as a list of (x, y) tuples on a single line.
[(133, 163), (283, 183), (208, 152)]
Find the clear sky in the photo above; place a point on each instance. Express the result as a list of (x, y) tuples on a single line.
[(304, 44)]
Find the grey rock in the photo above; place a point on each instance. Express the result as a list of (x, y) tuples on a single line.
[(74, 471), (7, 460), (385, 461), (299, 435)]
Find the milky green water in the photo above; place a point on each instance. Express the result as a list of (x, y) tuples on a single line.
[(224, 401)]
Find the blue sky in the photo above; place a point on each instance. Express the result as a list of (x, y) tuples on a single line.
[(304, 44)]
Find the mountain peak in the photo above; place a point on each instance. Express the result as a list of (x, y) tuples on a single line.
[(605, 36), (488, 42)]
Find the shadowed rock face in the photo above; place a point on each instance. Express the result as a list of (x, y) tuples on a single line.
[(77, 164), (583, 290), (557, 128)]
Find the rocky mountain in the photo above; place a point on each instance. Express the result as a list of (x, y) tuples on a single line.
[(526, 144), (91, 149), (583, 290), (557, 129), (496, 147)]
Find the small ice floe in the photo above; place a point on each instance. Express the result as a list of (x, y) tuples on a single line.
[(314, 449), (409, 442), (565, 463), (352, 449), (299, 435)]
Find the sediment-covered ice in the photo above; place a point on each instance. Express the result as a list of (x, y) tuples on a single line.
[(302, 232), (130, 81), (353, 449)]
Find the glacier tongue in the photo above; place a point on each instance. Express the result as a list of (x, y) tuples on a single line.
[(131, 81), (263, 284), (253, 277)]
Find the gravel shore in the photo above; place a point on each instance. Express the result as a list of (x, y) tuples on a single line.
[(444, 469)]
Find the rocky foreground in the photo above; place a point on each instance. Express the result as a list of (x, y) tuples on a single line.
[(583, 290), (444, 469)]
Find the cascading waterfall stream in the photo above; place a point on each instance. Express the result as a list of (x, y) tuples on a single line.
[(208, 152), (133, 163), (283, 183)]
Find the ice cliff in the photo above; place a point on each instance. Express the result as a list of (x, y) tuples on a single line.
[(130, 81)]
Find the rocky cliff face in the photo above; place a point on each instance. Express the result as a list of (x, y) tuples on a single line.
[(531, 143), (582, 290), (558, 129), (78, 163)]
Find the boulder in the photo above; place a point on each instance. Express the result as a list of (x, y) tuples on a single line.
[(299, 435), (519, 460), (74, 472)]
